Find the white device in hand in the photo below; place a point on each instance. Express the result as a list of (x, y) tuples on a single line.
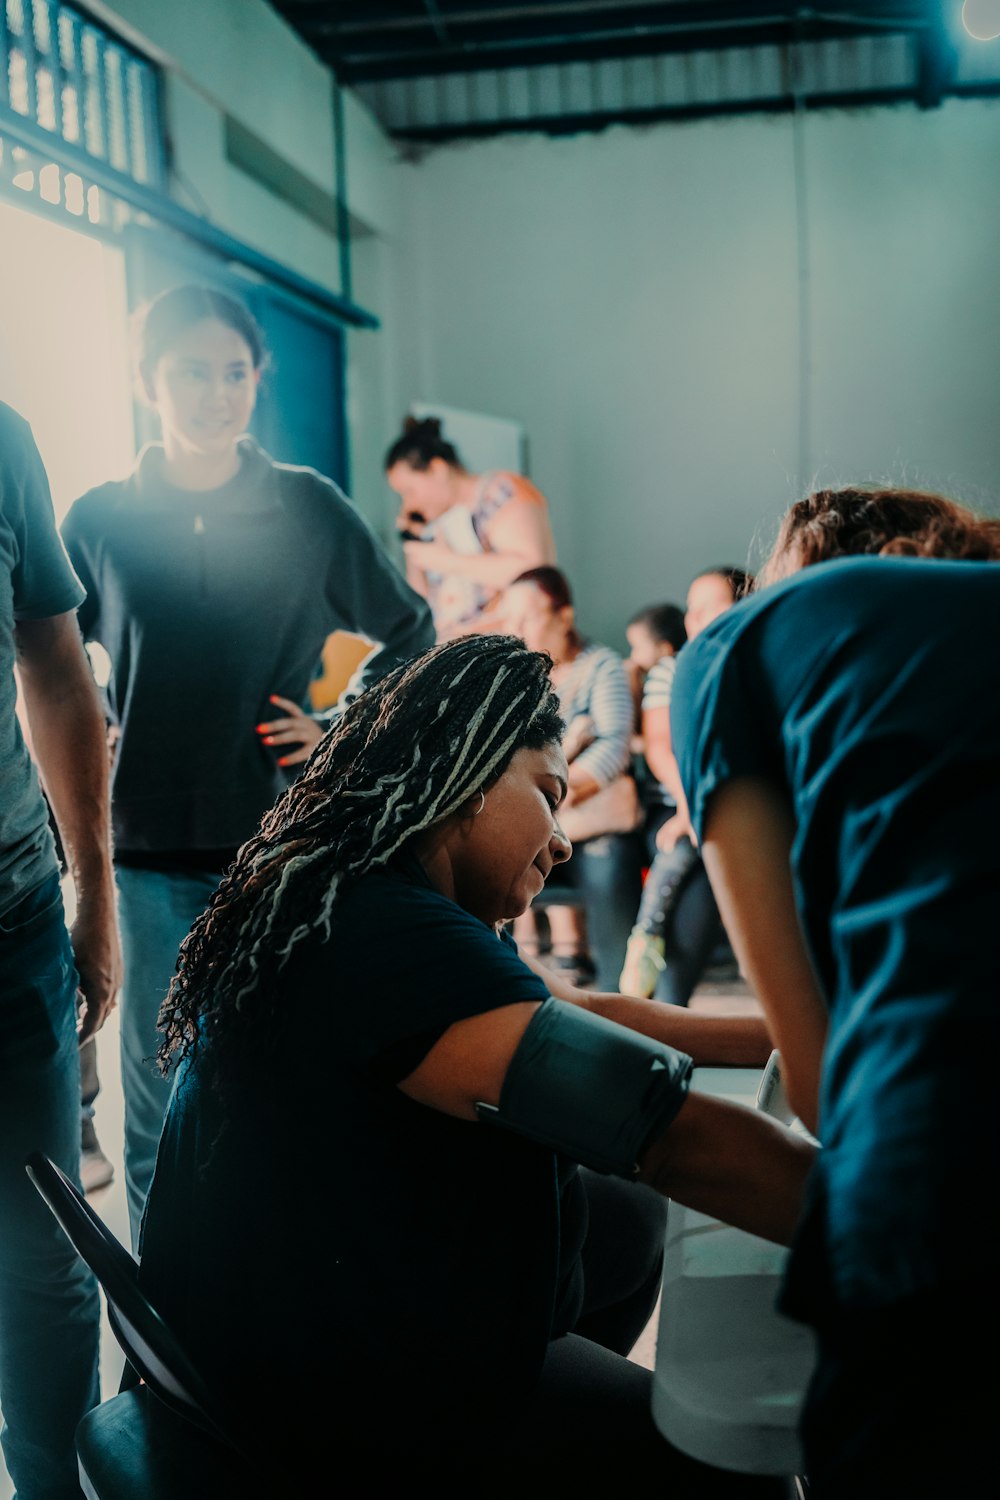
[(771, 1096)]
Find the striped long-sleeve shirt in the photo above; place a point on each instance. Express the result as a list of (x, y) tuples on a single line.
[(659, 683), (596, 687)]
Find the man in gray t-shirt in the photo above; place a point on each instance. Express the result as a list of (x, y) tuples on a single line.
[(49, 1306)]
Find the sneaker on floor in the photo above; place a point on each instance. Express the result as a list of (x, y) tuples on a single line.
[(644, 963), (96, 1170)]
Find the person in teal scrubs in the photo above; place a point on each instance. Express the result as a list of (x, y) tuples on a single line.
[(838, 736)]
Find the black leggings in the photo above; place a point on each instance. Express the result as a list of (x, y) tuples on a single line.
[(678, 905), (900, 1408), (588, 1427), (604, 877)]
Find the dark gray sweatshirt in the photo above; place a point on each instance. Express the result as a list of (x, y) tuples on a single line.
[(207, 603)]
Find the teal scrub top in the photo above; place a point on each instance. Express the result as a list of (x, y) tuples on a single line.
[(868, 691)]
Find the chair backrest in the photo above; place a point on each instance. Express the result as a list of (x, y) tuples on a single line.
[(146, 1340)]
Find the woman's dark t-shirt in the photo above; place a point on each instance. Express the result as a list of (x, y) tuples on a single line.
[(342, 1258)]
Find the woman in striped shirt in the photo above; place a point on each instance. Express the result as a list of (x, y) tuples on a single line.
[(600, 885)]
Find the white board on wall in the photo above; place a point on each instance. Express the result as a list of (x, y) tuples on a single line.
[(483, 442)]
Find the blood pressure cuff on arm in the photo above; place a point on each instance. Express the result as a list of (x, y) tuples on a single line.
[(590, 1089)]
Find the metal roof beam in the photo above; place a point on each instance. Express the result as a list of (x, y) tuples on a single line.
[(550, 51)]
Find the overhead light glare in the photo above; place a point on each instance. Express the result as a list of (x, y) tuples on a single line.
[(981, 19)]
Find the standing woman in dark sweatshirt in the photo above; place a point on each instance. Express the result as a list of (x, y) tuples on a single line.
[(213, 578)]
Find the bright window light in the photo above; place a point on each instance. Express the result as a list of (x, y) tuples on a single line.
[(64, 351), (981, 19)]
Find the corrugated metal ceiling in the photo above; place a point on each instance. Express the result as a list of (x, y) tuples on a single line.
[(440, 69)]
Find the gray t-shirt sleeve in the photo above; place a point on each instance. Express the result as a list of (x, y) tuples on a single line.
[(36, 582), (42, 579)]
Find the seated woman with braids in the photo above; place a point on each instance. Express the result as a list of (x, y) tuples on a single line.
[(430, 1242)]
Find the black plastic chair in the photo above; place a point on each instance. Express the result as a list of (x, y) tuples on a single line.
[(162, 1436)]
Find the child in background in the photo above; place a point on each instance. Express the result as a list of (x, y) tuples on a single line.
[(677, 930), (655, 635)]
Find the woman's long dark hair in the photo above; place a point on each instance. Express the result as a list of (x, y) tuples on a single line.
[(404, 755)]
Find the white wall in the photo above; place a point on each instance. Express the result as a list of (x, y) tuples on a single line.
[(238, 58), (633, 299)]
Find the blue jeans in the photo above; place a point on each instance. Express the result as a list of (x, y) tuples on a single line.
[(49, 1304), (156, 911), (605, 875)]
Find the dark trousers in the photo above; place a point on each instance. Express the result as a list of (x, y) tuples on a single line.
[(678, 905), (49, 1302), (904, 1399), (590, 1425), (604, 876)]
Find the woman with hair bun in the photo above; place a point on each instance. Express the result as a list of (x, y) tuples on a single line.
[(465, 536), (214, 576), (587, 934), (838, 736)]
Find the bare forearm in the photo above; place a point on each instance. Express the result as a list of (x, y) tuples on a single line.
[(748, 864), (734, 1164), (68, 740), (658, 759), (581, 785), (416, 578), (711, 1041), (494, 570), (664, 768), (659, 749)]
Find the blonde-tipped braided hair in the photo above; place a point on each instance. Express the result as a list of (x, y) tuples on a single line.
[(406, 754)]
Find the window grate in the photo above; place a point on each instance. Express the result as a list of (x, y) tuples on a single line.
[(70, 77)]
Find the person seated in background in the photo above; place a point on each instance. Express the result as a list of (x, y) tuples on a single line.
[(587, 934), (838, 736), (677, 930), (412, 1289), (465, 536), (655, 635)]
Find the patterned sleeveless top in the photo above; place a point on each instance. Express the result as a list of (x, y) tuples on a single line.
[(454, 599)]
